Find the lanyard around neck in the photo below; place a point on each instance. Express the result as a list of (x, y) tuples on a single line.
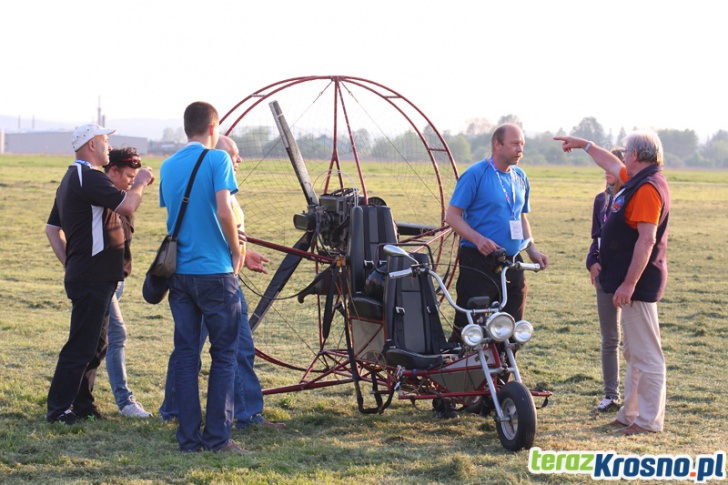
[(511, 205)]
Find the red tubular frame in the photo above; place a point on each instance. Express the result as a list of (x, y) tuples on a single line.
[(334, 364)]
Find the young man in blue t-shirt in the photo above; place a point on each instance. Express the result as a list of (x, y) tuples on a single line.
[(205, 284)]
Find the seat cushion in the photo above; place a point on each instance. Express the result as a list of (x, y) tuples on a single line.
[(366, 307), (412, 360)]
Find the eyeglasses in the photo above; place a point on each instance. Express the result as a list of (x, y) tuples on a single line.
[(133, 162)]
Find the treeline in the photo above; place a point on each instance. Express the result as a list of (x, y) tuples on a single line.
[(682, 148)]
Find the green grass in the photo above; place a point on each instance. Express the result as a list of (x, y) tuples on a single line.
[(327, 440)]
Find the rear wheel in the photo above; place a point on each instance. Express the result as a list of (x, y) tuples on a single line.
[(518, 430)]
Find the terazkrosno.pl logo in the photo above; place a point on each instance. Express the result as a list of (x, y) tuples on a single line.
[(609, 465)]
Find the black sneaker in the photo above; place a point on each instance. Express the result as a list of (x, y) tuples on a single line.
[(67, 417), (91, 414)]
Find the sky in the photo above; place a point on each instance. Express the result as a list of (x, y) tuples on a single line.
[(629, 63)]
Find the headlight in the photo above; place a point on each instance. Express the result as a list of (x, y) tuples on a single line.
[(472, 335), (523, 332), (500, 326)]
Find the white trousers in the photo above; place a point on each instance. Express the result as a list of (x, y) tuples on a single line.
[(644, 382)]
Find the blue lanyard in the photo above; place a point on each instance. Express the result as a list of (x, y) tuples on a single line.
[(84, 162), (511, 205)]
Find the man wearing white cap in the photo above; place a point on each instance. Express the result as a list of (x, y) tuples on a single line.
[(86, 235)]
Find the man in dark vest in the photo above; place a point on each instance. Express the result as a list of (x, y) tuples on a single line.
[(634, 270)]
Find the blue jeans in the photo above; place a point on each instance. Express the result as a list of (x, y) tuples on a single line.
[(115, 357), (248, 393), (216, 298)]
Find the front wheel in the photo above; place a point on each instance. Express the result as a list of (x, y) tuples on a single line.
[(518, 430)]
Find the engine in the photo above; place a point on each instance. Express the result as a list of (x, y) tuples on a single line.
[(330, 219)]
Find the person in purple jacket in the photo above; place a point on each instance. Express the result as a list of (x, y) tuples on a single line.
[(609, 315)]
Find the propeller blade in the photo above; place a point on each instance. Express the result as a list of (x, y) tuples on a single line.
[(412, 229), (299, 166), (329, 305), (279, 280)]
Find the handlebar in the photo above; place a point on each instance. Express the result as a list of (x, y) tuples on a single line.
[(416, 269), (518, 265), (411, 271), (419, 268)]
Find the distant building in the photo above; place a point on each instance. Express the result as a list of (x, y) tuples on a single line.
[(59, 142), (164, 147)]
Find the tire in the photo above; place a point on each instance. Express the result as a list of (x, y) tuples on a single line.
[(518, 431)]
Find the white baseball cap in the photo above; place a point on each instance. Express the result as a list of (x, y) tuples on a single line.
[(84, 133)]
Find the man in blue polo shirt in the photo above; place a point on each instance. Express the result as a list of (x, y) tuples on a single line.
[(488, 211)]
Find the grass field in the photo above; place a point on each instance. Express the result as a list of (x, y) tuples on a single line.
[(326, 439)]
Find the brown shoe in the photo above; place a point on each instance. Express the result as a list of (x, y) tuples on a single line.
[(232, 447), (616, 424), (259, 420), (268, 424), (634, 429)]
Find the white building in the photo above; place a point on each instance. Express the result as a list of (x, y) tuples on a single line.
[(59, 142)]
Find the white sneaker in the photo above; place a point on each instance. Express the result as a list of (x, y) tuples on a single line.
[(135, 410), (607, 405)]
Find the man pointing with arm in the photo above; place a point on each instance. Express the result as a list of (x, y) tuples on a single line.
[(634, 268)]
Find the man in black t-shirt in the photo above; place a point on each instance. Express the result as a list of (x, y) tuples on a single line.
[(86, 235)]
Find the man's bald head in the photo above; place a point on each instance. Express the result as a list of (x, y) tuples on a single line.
[(227, 144)]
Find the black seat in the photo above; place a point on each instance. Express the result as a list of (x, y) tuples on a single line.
[(370, 227), (415, 339)]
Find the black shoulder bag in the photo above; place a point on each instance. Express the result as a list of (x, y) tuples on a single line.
[(165, 262)]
